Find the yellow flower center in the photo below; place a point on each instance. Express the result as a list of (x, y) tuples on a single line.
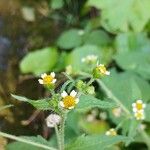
[(102, 69), (139, 106), (48, 79), (113, 132), (69, 101), (139, 115)]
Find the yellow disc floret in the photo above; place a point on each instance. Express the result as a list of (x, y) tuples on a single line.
[(69, 101), (102, 69), (48, 79)]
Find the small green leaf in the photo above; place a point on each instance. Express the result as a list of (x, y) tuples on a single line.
[(95, 142), (4, 107), (39, 61), (87, 102), (57, 4), (70, 39), (42, 104)]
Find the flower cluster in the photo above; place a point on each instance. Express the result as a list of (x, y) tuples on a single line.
[(138, 109), (90, 59), (100, 71), (111, 132)]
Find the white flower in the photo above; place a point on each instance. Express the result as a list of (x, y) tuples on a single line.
[(53, 120), (138, 106), (139, 115), (47, 79), (117, 112), (69, 101), (111, 132), (69, 70), (89, 59)]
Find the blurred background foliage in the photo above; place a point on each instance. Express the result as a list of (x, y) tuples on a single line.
[(39, 36)]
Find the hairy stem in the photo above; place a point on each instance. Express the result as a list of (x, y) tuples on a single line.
[(58, 137), (26, 141), (62, 130)]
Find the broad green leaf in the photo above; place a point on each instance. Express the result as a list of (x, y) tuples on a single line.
[(75, 58), (129, 13), (127, 42), (87, 102), (97, 37), (42, 104), (95, 142), (70, 39), (25, 146), (39, 61), (138, 62), (126, 87), (93, 127)]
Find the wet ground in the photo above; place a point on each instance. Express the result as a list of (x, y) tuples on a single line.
[(18, 35)]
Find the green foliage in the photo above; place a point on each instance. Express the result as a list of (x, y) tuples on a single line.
[(87, 102), (127, 42), (95, 142), (39, 61), (57, 4), (42, 104), (132, 61), (70, 39), (129, 13), (24, 146)]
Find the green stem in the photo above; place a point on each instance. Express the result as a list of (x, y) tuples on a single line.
[(58, 137), (62, 130), (26, 141), (111, 95), (146, 138), (90, 81)]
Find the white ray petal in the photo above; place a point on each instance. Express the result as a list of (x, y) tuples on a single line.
[(40, 81), (133, 105), (71, 107), (54, 80), (53, 74), (43, 75), (64, 94), (73, 93), (61, 103), (139, 101), (107, 73), (77, 100)]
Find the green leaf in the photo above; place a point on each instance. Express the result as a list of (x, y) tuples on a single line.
[(97, 37), (130, 14), (127, 42), (138, 62), (39, 61), (57, 4), (95, 142), (75, 58), (4, 107), (117, 87), (87, 102), (70, 39), (24, 146), (42, 104)]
